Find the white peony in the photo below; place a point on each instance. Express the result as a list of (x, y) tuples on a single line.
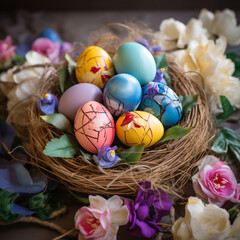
[(222, 23), (207, 58), (234, 233), (208, 222), (19, 85), (170, 32)]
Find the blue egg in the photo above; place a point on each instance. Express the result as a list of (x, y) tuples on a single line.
[(50, 34), (122, 93), (162, 102), (135, 59)]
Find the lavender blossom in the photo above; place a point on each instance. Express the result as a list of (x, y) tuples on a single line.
[(48, 104)]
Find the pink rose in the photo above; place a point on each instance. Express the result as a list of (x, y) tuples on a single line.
[(236, 197), (215, 181), (101, 220), (47, 48), (7, 50)]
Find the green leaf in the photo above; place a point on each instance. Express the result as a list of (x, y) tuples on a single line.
[(63, 74), (70, 60), (59, 121), (231, 137), (37, 201), (133, 154), (188, 102), (220, 145), (161, 62), (66, 146), (175, 132), (233, 141), (236, 151), (236, 59), (233, 212), (81, 199), (227, 107), (44, 205), (86, 155), (6, 201)]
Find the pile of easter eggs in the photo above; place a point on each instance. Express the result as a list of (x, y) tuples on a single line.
[(117, 97)]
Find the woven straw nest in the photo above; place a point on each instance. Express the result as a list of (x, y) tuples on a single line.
[(168, 166)]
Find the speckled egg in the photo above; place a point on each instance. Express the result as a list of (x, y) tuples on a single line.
[(162, 102), (50, 34), (76, 96), (122, 93), (133, 128), (95, 66), (135, 59), (94, 126)]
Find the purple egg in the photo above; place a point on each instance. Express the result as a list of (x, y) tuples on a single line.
[(77, 95)]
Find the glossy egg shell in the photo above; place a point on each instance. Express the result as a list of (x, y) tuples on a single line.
[(122, 93), (148, 130), (76, 96), (50, 34), (94, 126), (137, 60), (94, 65), (162, 102)]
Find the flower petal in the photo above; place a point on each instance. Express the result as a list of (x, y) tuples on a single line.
[(114, 203), (121, 216), (98, 202)]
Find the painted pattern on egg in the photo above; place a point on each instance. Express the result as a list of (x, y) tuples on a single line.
[(94, 66), (161, 101), (94, 126), (133, 128)]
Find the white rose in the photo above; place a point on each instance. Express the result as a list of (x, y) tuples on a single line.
[(202, 222), (225, 23)]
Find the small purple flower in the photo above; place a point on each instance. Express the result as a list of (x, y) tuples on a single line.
[(65, 47), (152, 89), (146, 44), (159, 76), (106, 157), (147, 210), (48, 104)]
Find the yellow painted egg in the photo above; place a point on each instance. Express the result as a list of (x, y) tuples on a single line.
[(133, 128), (95, 66)]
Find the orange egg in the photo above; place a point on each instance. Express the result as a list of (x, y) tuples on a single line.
[(134, 128), (95, 66)]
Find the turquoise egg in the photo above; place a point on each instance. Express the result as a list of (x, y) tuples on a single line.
[(121, 94), (136, 60), (162, 102), (50, 34)]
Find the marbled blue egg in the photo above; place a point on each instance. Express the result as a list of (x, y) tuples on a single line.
[(50, 34), (135, 59), (162, 102), (122, 93)]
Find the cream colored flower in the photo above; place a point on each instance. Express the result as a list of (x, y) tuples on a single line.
[(225, 23), (19, 85), (194, 31), (206, 17), (170, 32), (207, 58), (234, 233), (201, 222)]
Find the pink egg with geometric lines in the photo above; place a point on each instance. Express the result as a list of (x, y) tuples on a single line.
[(94, 126)]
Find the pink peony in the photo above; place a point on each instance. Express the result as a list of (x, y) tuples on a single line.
[(101, 219), (47, 48), (215, 181), (7, 50)]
